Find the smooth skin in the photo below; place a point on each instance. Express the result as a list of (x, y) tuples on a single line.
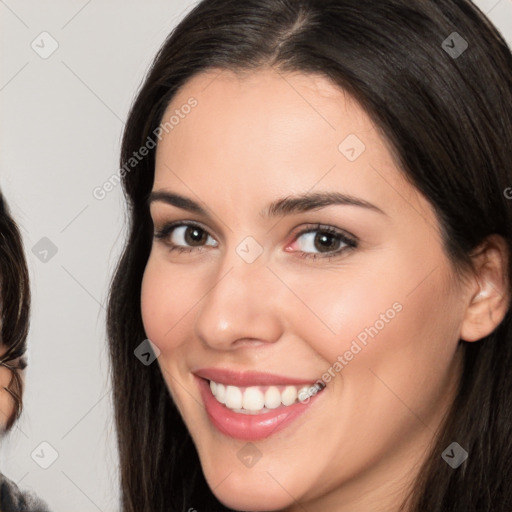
[(251, 140)]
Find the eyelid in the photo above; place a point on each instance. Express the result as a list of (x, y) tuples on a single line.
[(160, 212), (168, 227), (326, 228)]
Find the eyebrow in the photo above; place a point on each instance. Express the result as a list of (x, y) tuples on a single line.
[(278, 208)]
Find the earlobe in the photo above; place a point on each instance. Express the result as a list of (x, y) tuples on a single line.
[(488, 290)]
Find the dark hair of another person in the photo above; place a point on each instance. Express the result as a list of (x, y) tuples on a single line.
[(14, 307), (449, 123)]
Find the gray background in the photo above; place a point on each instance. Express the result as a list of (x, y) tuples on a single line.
[(61, 123)]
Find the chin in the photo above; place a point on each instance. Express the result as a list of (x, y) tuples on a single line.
[(249, 489), (256, 498)]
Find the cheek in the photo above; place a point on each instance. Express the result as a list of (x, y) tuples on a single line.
[(170, 297), (165, 299), (332, 308), (397, 313)]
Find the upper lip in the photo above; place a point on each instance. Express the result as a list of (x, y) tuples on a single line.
[(248, 378)]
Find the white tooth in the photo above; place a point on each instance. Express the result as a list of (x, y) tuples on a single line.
[(289, 395), (220, 393), (303, 393), (233, 397), (272, 398), (245, 411), (253, 399)]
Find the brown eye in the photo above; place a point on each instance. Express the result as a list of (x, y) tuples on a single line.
[(194, 235), (185, 236), (319, 241), (326, 242)]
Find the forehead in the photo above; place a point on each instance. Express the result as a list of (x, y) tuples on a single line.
[(267, 96), (274, 131), (266, 107)]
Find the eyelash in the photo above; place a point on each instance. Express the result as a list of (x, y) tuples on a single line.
[(349, 241)]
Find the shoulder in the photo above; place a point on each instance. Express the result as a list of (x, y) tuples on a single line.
[(12, 499)]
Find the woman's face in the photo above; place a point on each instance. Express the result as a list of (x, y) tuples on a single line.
[(265, 292)]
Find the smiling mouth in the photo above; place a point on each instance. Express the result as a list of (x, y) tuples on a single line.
[(253, 405), (262, 399), (256, 411)]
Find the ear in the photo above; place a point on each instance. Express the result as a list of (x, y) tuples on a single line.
[(488, 290)]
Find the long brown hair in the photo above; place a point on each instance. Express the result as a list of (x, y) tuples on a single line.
[(448, 118), (14, 306)]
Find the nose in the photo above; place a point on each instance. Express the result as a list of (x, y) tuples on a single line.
[(240, 307)]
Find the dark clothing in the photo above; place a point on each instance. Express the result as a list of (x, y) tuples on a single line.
[(14, 500)]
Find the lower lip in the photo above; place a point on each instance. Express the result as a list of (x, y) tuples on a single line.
[(249, 427)]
